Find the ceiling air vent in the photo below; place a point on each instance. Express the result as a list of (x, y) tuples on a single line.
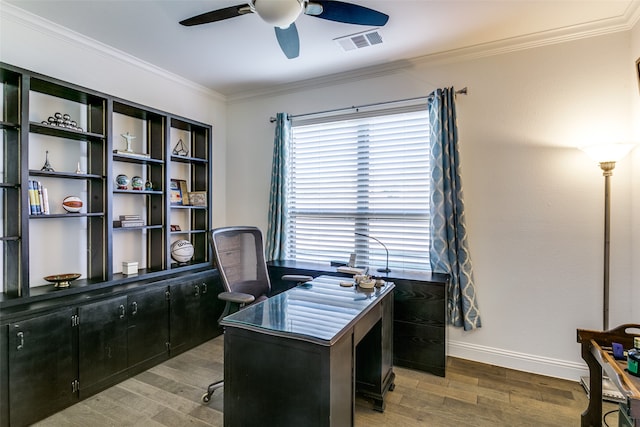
[(359, 40)]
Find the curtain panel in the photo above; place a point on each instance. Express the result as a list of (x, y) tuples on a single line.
[(277, 221), (449, 251)]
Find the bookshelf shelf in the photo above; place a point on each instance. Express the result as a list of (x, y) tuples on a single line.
[(106, 128)]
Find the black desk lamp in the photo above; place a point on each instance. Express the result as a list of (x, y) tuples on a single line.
[(381, 270)]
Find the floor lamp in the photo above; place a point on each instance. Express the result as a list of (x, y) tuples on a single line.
[(607, 155)]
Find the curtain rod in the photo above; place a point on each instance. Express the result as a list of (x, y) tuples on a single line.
[(462, 91)]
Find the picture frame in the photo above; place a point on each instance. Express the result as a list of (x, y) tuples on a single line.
[(198, 198), (175, 192)]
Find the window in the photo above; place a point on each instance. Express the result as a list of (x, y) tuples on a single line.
[(368, 175)]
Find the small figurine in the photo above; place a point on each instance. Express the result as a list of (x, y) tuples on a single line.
[(47, 166), (127, 136), (148, 186), (180, 149)]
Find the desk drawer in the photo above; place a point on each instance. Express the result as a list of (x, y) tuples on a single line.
[(367, 322)]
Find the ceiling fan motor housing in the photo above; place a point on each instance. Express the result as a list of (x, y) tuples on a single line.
[(279, 13)]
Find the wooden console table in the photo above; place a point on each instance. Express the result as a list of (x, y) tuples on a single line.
[(597, 352)]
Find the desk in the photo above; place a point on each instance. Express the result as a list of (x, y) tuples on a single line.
[(299, 357), (594, 346), (419, 314)]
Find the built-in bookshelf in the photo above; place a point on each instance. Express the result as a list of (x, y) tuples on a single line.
[(103, 166)]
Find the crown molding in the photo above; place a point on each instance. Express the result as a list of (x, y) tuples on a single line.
[(23, 18), (624, 22)]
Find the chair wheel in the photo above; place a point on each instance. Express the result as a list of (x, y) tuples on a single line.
[(206, 397)]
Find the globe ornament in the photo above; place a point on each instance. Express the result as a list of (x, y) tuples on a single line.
[(122, 181), (137, 183)]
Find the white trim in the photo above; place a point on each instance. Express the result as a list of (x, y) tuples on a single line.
[(625, 22), (519, 361), (51, 29)]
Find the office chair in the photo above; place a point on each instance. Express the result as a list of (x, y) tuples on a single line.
[(238, 253)]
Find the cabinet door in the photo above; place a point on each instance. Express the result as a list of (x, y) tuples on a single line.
[(185, 315), (148, 327), (42, 367), (102, 343)]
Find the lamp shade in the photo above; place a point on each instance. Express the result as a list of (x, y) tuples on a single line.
[(608, 152), (279, 13)]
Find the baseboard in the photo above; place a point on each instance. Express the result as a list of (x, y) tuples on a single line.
[(520, 361)]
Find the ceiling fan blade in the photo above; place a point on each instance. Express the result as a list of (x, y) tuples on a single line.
[(217, 15), (289, 41), (346, 12)]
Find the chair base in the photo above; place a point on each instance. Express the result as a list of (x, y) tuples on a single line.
[(211, 389)]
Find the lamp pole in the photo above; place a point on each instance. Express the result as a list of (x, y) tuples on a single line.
[(607, 171)]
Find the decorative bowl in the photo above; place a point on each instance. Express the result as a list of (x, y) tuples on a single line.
[(62, 280)]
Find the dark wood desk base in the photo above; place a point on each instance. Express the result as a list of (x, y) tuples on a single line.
[(280, 381)]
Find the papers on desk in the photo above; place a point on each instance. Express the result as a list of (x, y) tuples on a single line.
[(350, 270)]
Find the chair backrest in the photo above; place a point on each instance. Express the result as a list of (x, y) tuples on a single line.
[(238, 253)]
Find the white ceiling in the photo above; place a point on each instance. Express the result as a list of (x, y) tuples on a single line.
[(242, 55)]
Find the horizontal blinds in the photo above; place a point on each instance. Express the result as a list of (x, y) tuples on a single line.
[(365, 175)]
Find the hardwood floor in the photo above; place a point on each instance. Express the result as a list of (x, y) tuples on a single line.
[(472, 394)]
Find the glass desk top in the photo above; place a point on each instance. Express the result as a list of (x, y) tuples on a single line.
[(316, 311)]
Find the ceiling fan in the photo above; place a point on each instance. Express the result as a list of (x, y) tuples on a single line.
[(283, 13)]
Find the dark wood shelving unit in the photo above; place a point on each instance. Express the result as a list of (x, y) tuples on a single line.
[(139, 319)]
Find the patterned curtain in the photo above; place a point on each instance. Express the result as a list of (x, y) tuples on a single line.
[(276, 231), (449, 250)]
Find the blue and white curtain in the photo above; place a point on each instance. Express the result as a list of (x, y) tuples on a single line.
[(276, 230), (449, 250)]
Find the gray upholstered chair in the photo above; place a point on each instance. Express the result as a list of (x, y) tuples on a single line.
[(238, 254)]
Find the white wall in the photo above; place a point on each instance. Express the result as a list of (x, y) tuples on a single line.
[(534, 201), (635, 212), (29, 42)]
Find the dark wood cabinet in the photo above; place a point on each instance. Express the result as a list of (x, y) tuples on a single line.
[(102, 344), (420, 312), (121, 322), (42, 366), (148, 327), (195, 309)]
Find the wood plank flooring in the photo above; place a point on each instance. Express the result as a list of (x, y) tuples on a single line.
[(472, 394)]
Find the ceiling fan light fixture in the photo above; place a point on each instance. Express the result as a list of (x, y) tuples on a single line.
[(279, 13)]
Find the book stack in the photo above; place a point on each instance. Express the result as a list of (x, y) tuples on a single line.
[(38, 198), (129, 221)]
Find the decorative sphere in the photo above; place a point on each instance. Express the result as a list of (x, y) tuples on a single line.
[(72, 204), (181, 251), (137, 183), (122, 180)]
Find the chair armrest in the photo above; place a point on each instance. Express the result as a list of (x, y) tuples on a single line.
[(236, 297), (297, 278)]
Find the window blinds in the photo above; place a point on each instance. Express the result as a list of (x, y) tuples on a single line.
[(365, 175)]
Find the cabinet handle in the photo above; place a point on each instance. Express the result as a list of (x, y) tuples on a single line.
[(204, 288), (135, 308), (21, 338), (197, 288), (122, 312)]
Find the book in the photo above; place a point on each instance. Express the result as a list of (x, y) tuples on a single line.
[(131, 154), (32, 199), (130, 217), (128, 223), (45, 201), (184, 191), (40, 197), (175, 194)]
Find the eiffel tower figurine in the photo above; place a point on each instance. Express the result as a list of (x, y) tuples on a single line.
[(47, 166)]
